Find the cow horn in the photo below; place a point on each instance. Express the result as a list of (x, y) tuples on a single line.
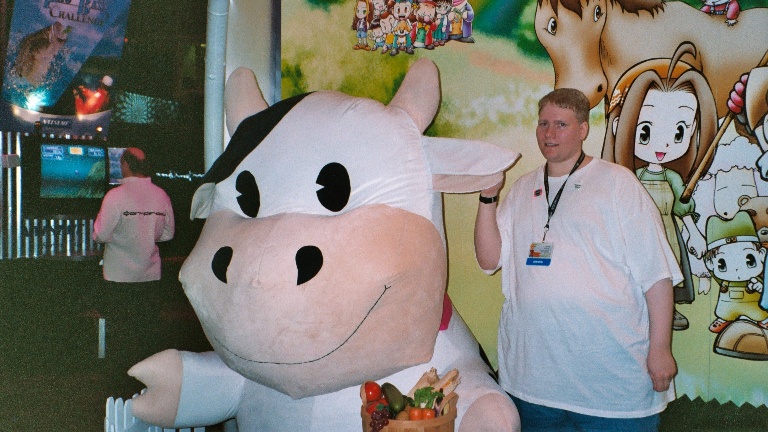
[(419, 94), (242, 98)]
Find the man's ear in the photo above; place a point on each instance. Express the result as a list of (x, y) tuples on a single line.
[(584, 130)]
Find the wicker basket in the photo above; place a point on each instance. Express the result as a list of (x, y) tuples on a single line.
[(444, 423)]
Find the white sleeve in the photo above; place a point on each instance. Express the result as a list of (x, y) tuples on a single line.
[(210, 390), (650, 258)]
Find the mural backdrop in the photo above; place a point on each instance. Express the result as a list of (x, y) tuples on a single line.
[(679, 93)]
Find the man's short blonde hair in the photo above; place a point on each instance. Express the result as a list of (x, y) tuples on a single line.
[(568, 98)]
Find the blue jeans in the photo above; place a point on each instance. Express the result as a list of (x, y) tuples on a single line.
[(535, 418)]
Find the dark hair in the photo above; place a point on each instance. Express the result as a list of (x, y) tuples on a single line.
[(137, 164), (568, 98)]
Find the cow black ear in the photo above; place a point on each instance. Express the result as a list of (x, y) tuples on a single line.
[(220, 263), (249, 199), (334, 194)]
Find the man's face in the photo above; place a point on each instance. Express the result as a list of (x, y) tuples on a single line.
[(559, 134)]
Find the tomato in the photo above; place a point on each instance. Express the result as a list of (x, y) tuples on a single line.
[(372, 391), (374, 405), (429, 413), (415, 414)]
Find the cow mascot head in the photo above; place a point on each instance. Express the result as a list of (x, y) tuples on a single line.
[(322, 264)]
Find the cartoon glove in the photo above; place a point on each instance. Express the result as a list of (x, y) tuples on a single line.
[(736, 100)]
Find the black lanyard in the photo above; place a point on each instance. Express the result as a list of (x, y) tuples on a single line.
[(551, 207)]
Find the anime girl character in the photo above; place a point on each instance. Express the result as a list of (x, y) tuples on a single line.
[(360, 24), (661, 121), (440, 35)]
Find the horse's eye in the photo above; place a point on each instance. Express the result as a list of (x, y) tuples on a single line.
[(598, 13), (552, 26)]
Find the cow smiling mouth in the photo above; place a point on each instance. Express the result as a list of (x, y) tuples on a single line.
[(319, 358)]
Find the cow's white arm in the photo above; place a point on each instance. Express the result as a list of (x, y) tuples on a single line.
[(186, 389)]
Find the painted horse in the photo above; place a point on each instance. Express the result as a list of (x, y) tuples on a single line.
[(593, 42)]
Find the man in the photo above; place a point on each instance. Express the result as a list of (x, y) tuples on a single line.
[(133, 218), (585, 331)]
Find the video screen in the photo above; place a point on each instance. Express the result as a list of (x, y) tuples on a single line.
[(115, 173), (72, 171)]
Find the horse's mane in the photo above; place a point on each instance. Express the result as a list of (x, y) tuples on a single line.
[(631, 6), (635, 6)]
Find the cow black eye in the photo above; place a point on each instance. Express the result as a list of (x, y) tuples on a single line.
[(220, 263), (334, 194), (249, 199)]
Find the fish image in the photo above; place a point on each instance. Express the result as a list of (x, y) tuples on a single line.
[(37, 51)]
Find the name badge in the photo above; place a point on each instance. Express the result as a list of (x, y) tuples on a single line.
[(540, 254)]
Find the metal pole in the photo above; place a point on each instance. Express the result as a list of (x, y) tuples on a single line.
[(215, 70)]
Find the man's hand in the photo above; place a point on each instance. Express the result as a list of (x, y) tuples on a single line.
[(661, 367)]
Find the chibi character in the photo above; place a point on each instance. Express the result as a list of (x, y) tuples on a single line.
[(729, 8), (402, 10), (377, 8), (440, 35), (37, 52), (387, 22), (376, 35), (461, 17), (360, 24), (402, 39), (425, 25), (661, 120), (748, 101), (735, 258)]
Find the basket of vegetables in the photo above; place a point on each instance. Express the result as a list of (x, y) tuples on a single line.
[(430, 406)]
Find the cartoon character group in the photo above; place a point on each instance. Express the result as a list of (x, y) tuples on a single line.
[(661, 123), (403, 25), (663, 109)]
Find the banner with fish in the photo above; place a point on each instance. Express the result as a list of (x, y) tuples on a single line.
[(51, 84)]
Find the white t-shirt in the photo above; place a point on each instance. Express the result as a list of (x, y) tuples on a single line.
[(574, 334), (133, 217)]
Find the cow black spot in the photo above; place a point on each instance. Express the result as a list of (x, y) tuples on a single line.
[(249, 199), (336, 186), (309, 261), (220, 263)]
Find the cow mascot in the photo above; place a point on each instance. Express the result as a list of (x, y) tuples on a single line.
[(322, 265)]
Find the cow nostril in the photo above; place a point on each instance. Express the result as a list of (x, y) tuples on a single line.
[(220, 263), (600, 88), (309, 261)]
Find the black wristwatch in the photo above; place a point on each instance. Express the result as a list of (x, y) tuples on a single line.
[(489, 200)]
